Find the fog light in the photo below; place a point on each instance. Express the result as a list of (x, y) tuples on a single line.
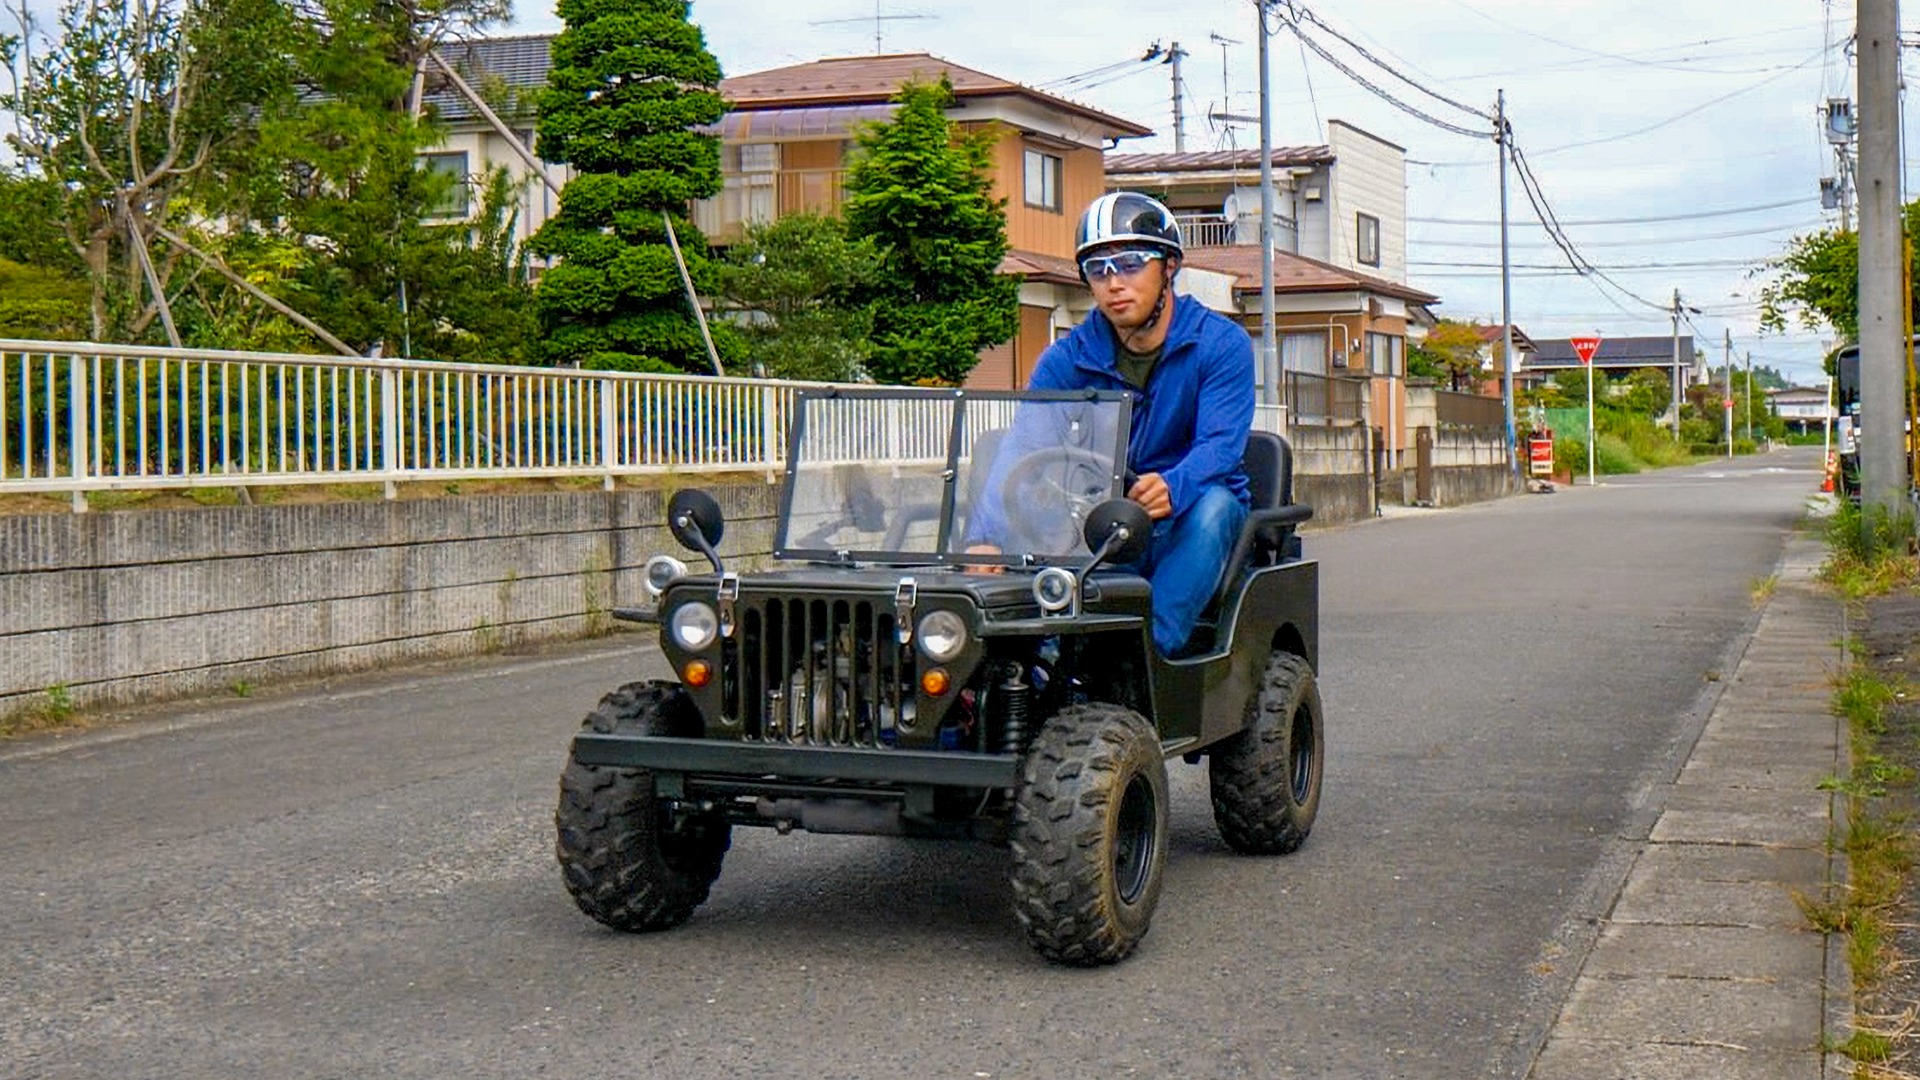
[(934, 682), (697, 673)]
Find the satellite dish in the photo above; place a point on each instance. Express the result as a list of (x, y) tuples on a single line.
[(1230, 209)]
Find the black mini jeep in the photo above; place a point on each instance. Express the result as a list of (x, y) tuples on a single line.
[(887, 680)]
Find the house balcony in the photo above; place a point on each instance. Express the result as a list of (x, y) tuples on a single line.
[(753, 198), (1209, 230)]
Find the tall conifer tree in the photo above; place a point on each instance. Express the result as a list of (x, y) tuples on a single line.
[(631, 80), (927, 199)]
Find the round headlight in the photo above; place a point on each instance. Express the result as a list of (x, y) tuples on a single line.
[(1053, 589), (662, 571), (693, 626), (942, 635)]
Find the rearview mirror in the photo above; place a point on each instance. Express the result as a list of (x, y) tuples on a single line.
[(1118, 530), (695, 520)]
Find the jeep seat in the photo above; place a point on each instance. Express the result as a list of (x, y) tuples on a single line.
[(1268, 536)]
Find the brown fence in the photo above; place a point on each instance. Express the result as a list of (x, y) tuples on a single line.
[(1318, 399), (1475, 411)]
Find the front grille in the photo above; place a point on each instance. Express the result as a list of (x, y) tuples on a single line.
[(819, 673)]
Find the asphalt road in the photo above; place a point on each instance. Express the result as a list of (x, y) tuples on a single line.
[(357, 880)]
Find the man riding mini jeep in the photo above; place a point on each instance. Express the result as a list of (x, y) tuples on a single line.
[(876, 682)]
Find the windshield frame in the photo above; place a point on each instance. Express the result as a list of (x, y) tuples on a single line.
[(949, 474)]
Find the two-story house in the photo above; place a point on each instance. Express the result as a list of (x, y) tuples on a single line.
[(785, 145), (1343, 203)]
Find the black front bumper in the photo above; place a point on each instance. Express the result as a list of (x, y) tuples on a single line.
[(722, 757)]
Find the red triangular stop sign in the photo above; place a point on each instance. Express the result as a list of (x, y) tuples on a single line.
[(1585, 347)]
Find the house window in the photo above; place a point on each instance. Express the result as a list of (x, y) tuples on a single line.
[(1383, 354), (759, 157), (1366, 235), (1043, 181), (1304, 353), (457, 202)]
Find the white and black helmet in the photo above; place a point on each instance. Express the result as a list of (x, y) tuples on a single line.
[(1128, 217)]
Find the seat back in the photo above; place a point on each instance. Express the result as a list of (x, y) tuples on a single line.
[(1268, 463)]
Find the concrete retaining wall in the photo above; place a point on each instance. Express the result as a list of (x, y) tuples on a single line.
[(133, 605)]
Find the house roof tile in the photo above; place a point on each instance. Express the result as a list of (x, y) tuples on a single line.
[(1297, 273), (1615, 352), (1035, 266), (850, 79), (521, 63)]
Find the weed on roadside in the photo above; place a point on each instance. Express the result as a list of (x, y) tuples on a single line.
[(54, 708), (1762, 589), (1869, 551)]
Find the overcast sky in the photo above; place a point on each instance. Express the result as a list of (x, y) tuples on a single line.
[(1627, 108)]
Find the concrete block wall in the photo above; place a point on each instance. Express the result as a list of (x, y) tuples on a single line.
[(137, 605)]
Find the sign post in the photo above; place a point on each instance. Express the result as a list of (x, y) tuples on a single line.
[(1585, 348)]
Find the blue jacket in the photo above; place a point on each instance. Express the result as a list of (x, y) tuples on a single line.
[(1190, 423)]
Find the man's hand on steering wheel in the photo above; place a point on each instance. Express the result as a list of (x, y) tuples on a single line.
[(1151, 492)]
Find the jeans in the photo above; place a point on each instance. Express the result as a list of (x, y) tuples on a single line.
[(1185, 562)]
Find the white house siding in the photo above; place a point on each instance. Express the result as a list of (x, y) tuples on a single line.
[(1369, 177), (486, 149), (1311, 197)]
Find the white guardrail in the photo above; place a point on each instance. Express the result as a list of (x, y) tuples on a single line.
[(79, 417)]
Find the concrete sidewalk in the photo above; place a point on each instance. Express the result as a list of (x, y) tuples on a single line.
[(1705, 966)]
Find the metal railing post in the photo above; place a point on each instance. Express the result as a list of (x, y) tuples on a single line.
[(78, 456), (770, 449), (390, 431), (609, 435)]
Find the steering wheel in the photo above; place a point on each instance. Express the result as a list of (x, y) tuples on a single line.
[(1047, 495)]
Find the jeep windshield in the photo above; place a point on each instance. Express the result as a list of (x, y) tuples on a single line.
[(957, 476)]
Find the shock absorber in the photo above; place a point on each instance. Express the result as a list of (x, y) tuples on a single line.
[(1015, 699)]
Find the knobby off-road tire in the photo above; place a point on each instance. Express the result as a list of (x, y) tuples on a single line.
[(621, 861), (1089, 834), (1266, 780)]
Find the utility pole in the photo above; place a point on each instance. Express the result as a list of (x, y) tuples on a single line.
[(1883, 480), (1269, 346), (1174, 56), (1749, 395), (1727, 381), (1500, 138), (1676, 365)]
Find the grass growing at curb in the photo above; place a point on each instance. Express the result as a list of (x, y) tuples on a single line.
[(1870, 553), (1879, 851), (54, 708)]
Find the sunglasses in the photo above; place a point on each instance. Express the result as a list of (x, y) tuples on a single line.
[(1118, 264)]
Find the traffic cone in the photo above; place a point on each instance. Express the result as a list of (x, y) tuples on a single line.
[(1826, 478)]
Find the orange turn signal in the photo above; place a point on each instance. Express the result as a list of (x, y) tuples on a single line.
[(697, 673), (934, 682)]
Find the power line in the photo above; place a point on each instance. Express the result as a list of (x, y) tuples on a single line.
[(1304, 13), (1634, 243), (1628, 221), (1290, 15)]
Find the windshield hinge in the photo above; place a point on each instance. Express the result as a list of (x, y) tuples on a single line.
[(726, 595), (904, 595)]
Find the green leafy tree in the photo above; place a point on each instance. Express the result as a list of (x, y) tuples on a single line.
[(1455, 348), (140, 113), (1816, 283), (925, 197), (1644, 392), (789, 280), (387, 251), (41, 304), (631, 80)]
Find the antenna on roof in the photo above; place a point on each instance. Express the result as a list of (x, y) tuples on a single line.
[(879, 20), (1221, 116)]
